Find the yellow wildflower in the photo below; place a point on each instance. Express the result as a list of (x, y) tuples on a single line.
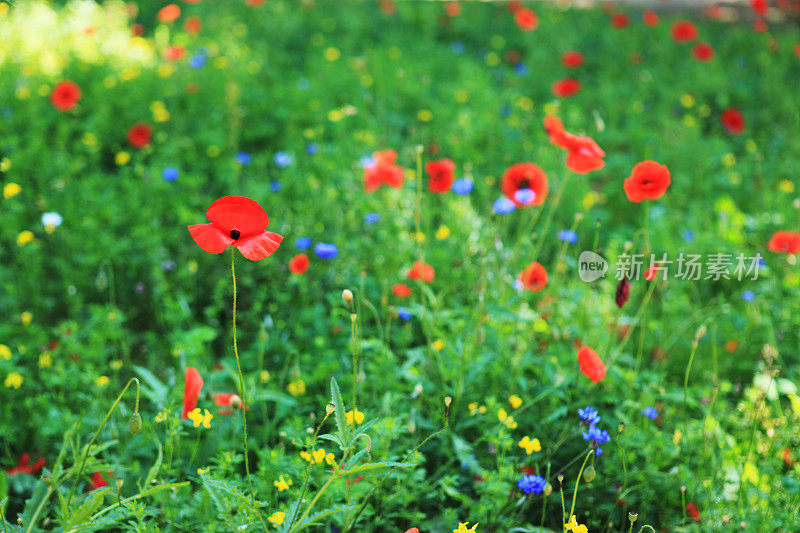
[(45, 360), (515, 401), (502, 414), (296, 387), (11, 189), (102, 381), (529, 445), (332, 53), (462, 527), (437, 345), (197, 418), (277, 518), (443, 232), (162, 415), (24, 237), (5, 352), (282, 483), (359, 416), (122, 157), (25, 318), (13, 380)]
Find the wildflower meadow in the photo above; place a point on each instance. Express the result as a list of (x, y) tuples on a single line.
[(399, 266)]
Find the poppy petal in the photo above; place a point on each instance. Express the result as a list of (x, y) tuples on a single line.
[(238, 213), (193, 384), (259, 246), (210, 238)]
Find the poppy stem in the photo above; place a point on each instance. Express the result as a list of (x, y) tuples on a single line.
[(241, 392), (578, 481)]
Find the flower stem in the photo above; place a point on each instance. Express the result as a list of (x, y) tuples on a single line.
[(578, 481)]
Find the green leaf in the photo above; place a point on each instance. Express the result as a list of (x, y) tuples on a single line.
[(332, 438), (374, 466), (316, 517), (233, 507), (155, 390), (32, 512), (83, 514), (153, 472), (338, 402)]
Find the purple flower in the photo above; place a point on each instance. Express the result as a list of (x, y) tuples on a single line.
[(532, 484)]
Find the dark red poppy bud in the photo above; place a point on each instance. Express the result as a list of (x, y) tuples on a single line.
[(623, 288)]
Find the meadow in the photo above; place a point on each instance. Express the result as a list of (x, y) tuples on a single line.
[(398, 266)]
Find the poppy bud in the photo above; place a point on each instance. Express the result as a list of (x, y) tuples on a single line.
[(561, 479), (347, 296), (548, 489), (330, 408), (119, 483), (623, 289), (447, 400), (135, 423), (236, 402), (353, 317), (633, 517), (589, 474), (700, 333)]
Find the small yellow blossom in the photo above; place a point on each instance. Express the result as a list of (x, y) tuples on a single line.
[(89, 139), (424, 115), (11, 189), (510, 423), (750, 473), (122, 157), (264, 376), (687, 101), (787, 186), (574, 527), (282, 483), (529, 445), (201, 471), (677, 436), (418, 236), (296, 387), (13, 380), (5, 164), (5, 352), (277, 518), (197, 418), (25, 317), (162, 415), (515, 401), (45, 359), (728, 160), (24, 237), (437, 345), (332, 53), (115, 364), (102, 381), (359, 416), (462, 527), (443, 232), (502, 414)]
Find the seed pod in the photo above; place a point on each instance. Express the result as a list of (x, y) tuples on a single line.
[(135, 423), (589, 474)]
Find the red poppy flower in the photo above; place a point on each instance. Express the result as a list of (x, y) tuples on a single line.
[(620, 20), (298, 264), (139, 135), (412, 530), (648, 181), (453, 9), (584, 155), (621, 295), (168, 13), (759, 7), (683, 31), (65, 95), (787, 456), (691, 508), (653, 270), (193, 25), (99, 481), (231, 400), (533, 278), (732, 120), (192, 385), (566, 87), (591, 365), (174, 53), (388, 7), (524, 176), (423, 271), (572, 59), (526, 19), (401, 290), (760, 26), (238, 221), (784, 242), (440, 175), (703, 52), (650, 18), (24, 465), (137, 30), (797, 50), (383, 172), (713, 11)]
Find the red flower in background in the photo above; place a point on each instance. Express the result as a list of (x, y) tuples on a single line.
[(703, 52), (572, 59), (401, 290), (192, 385), (139, 135), (648, 181), (650, 18), (231, 400), (65, 95), (383, 172), (691, 509), (453, 9), (621, 295), (797, 50), (759, 7), (238, 221), (168, 13), (566, 87), (684, 31), (584, 155), (99, 481), (620, 20), (440, 175), (388, 7), (591, 365), (713, 11), (137, 30), (193, 25), (784, 242), (533, 278), (24, 465), (526, 19), (524, 176), (174, 53), (412, 530), (732, 120), (760, 26), (423, 271), (298, 264)]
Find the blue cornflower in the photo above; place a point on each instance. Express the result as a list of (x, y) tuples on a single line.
[(589, 415), (404, 313), (282, 159), (275, 186), (372, 218), (325, 250), (520, 69), (243, 158), (457, 47), (748, 296), (525, 196), (311, 148), (197, 61), (303, 243), (463, 186), (597, 436), (688, 235), (170, 174), (503, 206), (532, 484), (650, 412), (568, 235)]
